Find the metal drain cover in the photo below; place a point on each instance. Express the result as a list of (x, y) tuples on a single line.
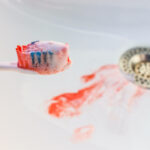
[(135, 64)]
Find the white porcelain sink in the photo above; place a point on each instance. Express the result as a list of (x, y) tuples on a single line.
[(98, 32)]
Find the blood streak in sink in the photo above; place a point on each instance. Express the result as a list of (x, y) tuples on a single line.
[(83, 133), (106, 82)]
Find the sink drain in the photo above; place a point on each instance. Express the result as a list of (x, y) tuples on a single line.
[(135, 64)]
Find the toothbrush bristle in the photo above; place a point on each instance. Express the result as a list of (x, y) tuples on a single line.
[(43, 57)]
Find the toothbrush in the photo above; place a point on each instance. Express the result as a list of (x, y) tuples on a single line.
[(42, 57)]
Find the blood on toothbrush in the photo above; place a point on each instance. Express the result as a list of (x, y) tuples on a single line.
[(83, 133), (106, 82), (43, 57)]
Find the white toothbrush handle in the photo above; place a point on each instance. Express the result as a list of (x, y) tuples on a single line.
[(12, 66), (8, 66)]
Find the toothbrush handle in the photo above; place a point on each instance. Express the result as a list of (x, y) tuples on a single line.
[(12, 66), (8, 66)]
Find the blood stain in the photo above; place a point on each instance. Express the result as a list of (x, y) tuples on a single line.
[(107, 81), (138, 93), (68, 104), (83, 133), (87, 78)]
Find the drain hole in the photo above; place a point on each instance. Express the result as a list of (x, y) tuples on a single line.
[(136, 63)]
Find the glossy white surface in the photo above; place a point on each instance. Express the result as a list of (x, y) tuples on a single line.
[(97, 32)]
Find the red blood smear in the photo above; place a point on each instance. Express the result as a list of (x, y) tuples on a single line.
[(107, 80), (83, 133), (121, 86), (138, 93), (88, 78), (68, 104)]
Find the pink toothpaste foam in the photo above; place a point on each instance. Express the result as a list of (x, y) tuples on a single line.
[(44, 57)]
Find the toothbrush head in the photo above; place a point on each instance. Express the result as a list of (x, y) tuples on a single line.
[(44, 57)]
